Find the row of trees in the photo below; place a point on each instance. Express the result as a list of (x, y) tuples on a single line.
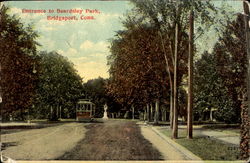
[(220, 77), (40, 84), (17, 58), (149, 61), (34, 83), (59, 87), (95, 89), (221, 81), (149, 64)]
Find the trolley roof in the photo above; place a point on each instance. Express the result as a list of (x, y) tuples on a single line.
[(85, 101)]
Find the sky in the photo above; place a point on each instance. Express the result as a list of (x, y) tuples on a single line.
[(83, 42)]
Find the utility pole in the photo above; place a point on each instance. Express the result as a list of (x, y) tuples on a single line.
[(190, 77)]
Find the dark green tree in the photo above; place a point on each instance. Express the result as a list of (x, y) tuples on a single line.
[(17, 58), (95, 90), (221, 79), (210, 91), (231, 58), (59, 87)]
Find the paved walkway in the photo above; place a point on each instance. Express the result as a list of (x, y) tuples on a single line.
[(168, 148), (233, 138), (227, 137)]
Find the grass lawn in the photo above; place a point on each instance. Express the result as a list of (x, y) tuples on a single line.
[(205, 147)]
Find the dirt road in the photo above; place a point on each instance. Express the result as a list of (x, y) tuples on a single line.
[(113, 140), (104, 140), (43, 144)]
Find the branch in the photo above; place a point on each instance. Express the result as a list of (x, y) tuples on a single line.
[(166, 59)]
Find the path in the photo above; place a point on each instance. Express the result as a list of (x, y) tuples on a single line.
[(231, 138), (222, 135), (42, 144), (168, 151)]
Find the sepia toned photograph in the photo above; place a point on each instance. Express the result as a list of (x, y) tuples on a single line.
[(151, 81)]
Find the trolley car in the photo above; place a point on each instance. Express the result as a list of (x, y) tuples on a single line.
[(85, 110)]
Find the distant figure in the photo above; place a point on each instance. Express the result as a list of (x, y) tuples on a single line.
[(105, 114)]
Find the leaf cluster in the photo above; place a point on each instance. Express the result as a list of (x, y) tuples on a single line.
[(17, 57)]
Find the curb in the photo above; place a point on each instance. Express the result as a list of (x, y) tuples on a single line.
[(177, 146)]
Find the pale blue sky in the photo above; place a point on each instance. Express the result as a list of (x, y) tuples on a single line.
[(85, 42)]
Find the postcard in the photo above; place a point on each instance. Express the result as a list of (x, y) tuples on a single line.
[(124, 81)]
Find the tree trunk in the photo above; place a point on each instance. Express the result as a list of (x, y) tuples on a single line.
[(156, 118), (211, 115), (133, 112), (164, 114), (148, 113), (190, 78), (244, 131), (145, 114), (170, 81), (175, 122), (60, 112), (245, 114), (171, 118), (151, 112), (51, 112), (57, 111)]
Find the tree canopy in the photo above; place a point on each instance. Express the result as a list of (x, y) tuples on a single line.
[(221, 76), (58, 83), (17, 57)]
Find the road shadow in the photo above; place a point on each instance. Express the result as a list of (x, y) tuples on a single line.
[(8, 144)]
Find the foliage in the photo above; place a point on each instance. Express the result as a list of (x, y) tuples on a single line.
[(210, 92), (220, 77), (231, 61), (59, 85), (139, 70), (230, 53), (95, 90), (137, 66), (17, 58), (132, 70), (164, 15)]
